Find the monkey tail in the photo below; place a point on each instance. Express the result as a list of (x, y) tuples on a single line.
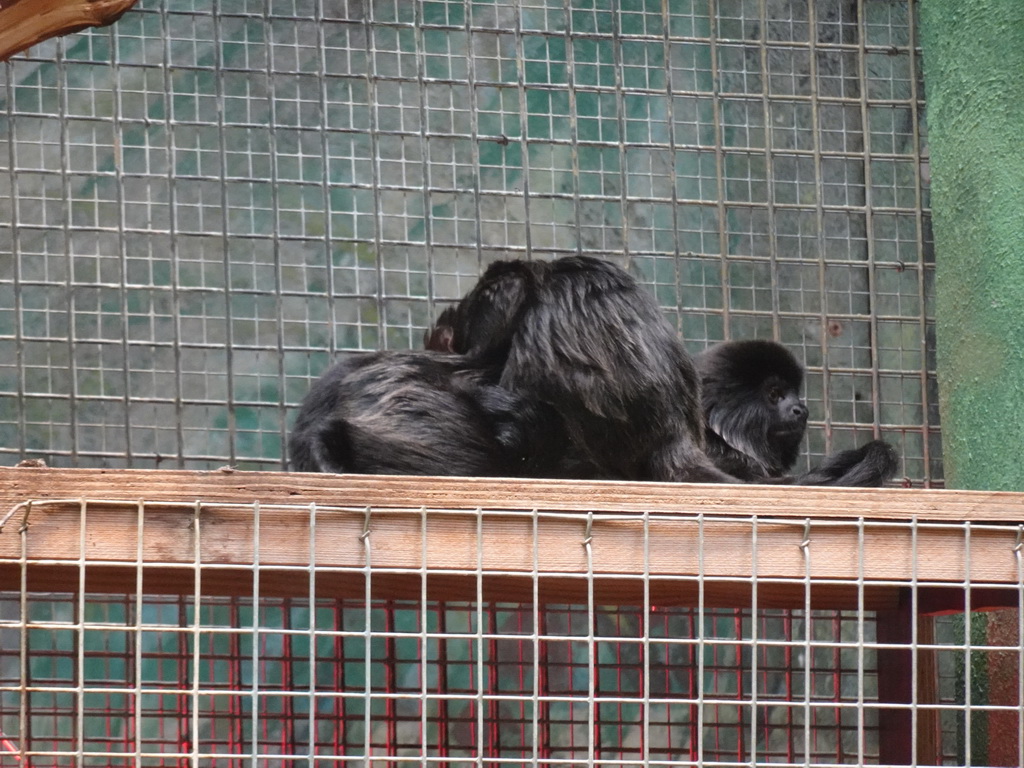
[(866, 467)]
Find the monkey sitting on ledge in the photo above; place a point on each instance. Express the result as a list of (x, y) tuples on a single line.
[(580, 336), (560, 369), (755, 420)]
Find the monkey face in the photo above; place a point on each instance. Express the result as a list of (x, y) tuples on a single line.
[(790, 412), (751, 400), (787, 417)]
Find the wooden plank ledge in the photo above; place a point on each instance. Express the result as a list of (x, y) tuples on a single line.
[(457, 538), (21, 483)]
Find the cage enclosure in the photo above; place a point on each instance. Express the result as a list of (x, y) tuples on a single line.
[(468, 621), (209, 201)]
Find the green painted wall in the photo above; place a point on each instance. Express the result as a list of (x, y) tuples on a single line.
[(974, 82), (974, 79)]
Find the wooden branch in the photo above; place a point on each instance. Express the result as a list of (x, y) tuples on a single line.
[(24, 23), (455, 538)]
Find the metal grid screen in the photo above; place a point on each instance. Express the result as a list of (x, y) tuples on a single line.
[(160, 686), (204, 202), (342, 671)]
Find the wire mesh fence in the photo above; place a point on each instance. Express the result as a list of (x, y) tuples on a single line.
[(227, 646), (204, 203), (158, 687), (209, 200)]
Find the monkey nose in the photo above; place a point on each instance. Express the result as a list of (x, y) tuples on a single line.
[(800, 412)]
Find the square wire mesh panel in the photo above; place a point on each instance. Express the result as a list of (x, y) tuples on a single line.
[(168, 688), (686, 652), (209, 200)]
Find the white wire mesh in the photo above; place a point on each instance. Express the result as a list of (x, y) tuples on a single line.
[(223, 645), (209, 200)]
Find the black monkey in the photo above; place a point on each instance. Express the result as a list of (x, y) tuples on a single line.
[(579, 336), (483, 323), (754, 417), (548, 450), (410, 413), (755, 420)]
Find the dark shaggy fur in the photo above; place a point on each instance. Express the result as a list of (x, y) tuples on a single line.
[(410, 413), (579, 336), (756, 420), (866, 467)]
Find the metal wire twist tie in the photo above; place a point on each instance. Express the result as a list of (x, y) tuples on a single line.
[(366, 525)]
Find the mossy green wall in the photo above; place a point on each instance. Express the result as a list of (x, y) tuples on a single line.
[(974, 81)]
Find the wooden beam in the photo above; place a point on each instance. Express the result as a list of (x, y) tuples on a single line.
[(929, 724), (24, 23), (895, 669), (904, 504), (504, 539)]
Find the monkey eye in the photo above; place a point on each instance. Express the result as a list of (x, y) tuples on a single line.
[(775, 394)]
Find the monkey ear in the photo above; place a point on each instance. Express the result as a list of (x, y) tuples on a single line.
[(439, 339)]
